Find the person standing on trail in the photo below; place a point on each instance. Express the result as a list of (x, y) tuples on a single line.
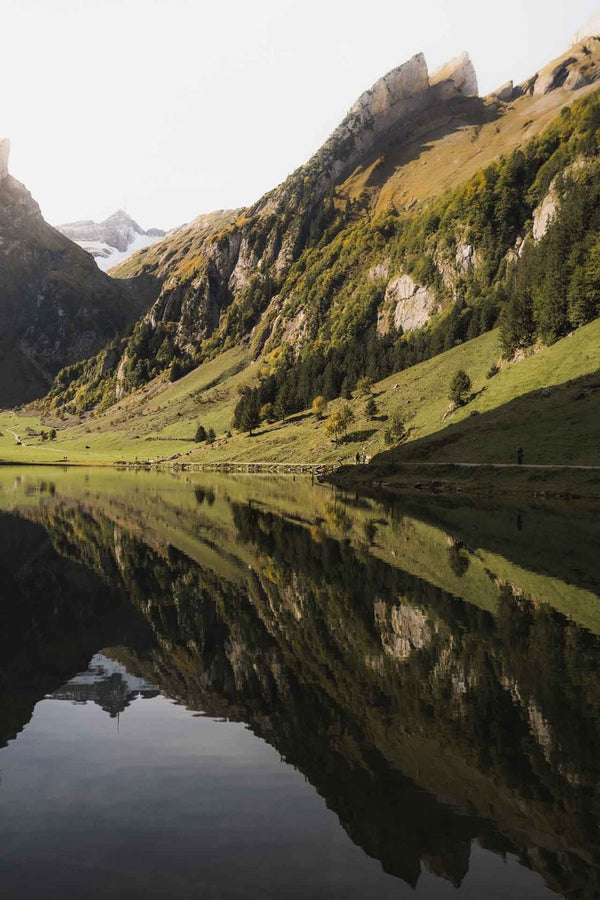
[(357, 459), (520, 454)]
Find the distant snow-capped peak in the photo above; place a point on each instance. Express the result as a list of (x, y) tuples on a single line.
[(113, 240)]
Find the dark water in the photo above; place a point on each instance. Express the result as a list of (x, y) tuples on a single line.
[(217, 687)]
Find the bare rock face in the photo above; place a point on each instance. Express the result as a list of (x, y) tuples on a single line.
[(393, 96), (574, 70), (406, 305), (546, 211), (456, 77), (504, 93), (388, 106), (4, 154), (403, 629), (543, 215)]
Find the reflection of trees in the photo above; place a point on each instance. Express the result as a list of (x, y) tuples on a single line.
[(458, 559)]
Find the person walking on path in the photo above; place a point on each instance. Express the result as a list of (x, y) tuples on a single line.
[(520, 454)]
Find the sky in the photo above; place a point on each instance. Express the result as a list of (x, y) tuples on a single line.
[(172, 108)]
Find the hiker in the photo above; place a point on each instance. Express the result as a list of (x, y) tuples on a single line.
[(520, 454), (357, 459)]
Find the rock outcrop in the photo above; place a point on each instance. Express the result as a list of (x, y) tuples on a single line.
[(4, 154), (456, 77), (543, 215), (504, 93), (576, 69), (407, 305)]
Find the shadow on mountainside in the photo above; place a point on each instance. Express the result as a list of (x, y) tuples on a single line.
[(556, 426), (421, 131)]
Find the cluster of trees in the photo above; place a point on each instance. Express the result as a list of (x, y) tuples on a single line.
[(203, 435), (556, 285), (322, 375)]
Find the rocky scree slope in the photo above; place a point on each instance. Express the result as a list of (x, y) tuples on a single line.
[(348, 245), (55, 305)]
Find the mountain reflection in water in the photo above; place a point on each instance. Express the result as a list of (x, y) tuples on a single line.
[(106, 683), (433, 676)]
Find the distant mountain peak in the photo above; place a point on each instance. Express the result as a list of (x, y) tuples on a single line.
[(113, 240), (121, 216)]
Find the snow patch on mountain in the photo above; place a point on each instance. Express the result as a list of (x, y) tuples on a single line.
[(113, 240)]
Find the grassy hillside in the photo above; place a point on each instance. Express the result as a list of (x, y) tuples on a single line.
[(159, 422)]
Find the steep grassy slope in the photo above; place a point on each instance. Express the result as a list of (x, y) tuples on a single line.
[(548, 401)]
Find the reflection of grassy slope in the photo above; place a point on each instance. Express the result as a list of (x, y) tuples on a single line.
[(551, 560), (161, 419)]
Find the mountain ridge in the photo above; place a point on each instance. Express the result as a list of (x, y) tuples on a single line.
[(55, 305)]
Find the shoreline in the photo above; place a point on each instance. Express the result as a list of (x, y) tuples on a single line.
[(534, 481)]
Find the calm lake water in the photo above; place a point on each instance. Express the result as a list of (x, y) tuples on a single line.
[(252, 688)]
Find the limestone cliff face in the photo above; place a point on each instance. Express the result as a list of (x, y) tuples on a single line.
[(406, 305), (56, 307)]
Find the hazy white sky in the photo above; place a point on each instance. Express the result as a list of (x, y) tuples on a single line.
[(177, 107)]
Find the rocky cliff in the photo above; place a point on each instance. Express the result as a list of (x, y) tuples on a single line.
[(56, 307)]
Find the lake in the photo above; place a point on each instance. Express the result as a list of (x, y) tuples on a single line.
[(228, 687)]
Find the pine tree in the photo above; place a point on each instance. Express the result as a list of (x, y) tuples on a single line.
[(459, 387), (371, 409)]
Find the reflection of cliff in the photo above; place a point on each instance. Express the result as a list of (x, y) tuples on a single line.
[(423, 721)]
